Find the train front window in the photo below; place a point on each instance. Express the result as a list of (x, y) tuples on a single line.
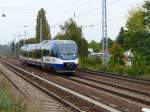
[(67, 51)]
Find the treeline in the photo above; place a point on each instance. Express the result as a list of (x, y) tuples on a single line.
[(4, 49), (134, 36), (70, 31)]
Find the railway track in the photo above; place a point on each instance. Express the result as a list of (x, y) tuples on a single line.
[(107, 74), (34, 81), (124, 92), (113, 85), (88, 104), (135, 95), (90, 78), (129, 85), (116, 76)]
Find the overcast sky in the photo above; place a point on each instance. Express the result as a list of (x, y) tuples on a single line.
[(20, 13)]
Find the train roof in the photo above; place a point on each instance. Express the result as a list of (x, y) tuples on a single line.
[(65, 41), (58, 42), (48, 42), (29, 46)]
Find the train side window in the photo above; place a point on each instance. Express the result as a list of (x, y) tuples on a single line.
[(56, 55), (35, 53), (52, 53), (45, 52), (38, 53), (49, 53)]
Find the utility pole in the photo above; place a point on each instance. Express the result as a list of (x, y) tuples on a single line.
[(74, 13), (25, 42), (40, 29), (19, 43), (15, 45), (104, 35), (25, 34)]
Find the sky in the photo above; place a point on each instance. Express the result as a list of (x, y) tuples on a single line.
[(20, 13)]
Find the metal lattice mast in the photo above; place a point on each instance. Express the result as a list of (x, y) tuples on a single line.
[(104, 34), (41, 39)]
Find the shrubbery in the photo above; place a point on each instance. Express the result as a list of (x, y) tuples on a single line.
[(6, 103), (138, 69), (90, 63), (9, 102)]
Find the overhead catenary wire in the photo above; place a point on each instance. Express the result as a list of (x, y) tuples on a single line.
[(90, 11), (78, 5), (53, 11), (91, 25), (63, 12), (77, 16), (113, 2)]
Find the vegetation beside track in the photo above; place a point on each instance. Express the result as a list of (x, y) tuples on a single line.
[(138, 69), (10, 101), (135, 36)]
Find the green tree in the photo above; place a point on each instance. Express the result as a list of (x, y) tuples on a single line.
[(117, 54), (136, 19), (41, 18), (21, 42), (120, 37), (137, 35), (59, 36), (110, 43), (31, 41), (134, 26), (71, 31), (146, 6), (95, 46)]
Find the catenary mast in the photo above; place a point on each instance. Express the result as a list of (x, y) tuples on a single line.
[(104, 34)]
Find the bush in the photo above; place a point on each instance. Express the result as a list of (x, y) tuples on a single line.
[(117, 69), (90, 63), (5, 101), (10, 102), (136, 70)]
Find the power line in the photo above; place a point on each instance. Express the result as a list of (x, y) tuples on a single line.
[(71, 7), (91, 25), (95, 9), (64, 11), (113, 2), (85, 3), (87, 26), (77, 7), (81, 14), (87, 12)]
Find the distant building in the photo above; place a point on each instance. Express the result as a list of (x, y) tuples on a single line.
[(128, 57), (90, 51), (100, 54)]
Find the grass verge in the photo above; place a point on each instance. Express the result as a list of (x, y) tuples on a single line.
[(11, 100)]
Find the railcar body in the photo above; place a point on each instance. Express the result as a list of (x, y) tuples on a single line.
[(60, 55)]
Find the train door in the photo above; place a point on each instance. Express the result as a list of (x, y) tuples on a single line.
[(42, 61), (41, 55), (33, 57)]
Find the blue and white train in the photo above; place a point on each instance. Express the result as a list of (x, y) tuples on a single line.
[(59, 55)]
